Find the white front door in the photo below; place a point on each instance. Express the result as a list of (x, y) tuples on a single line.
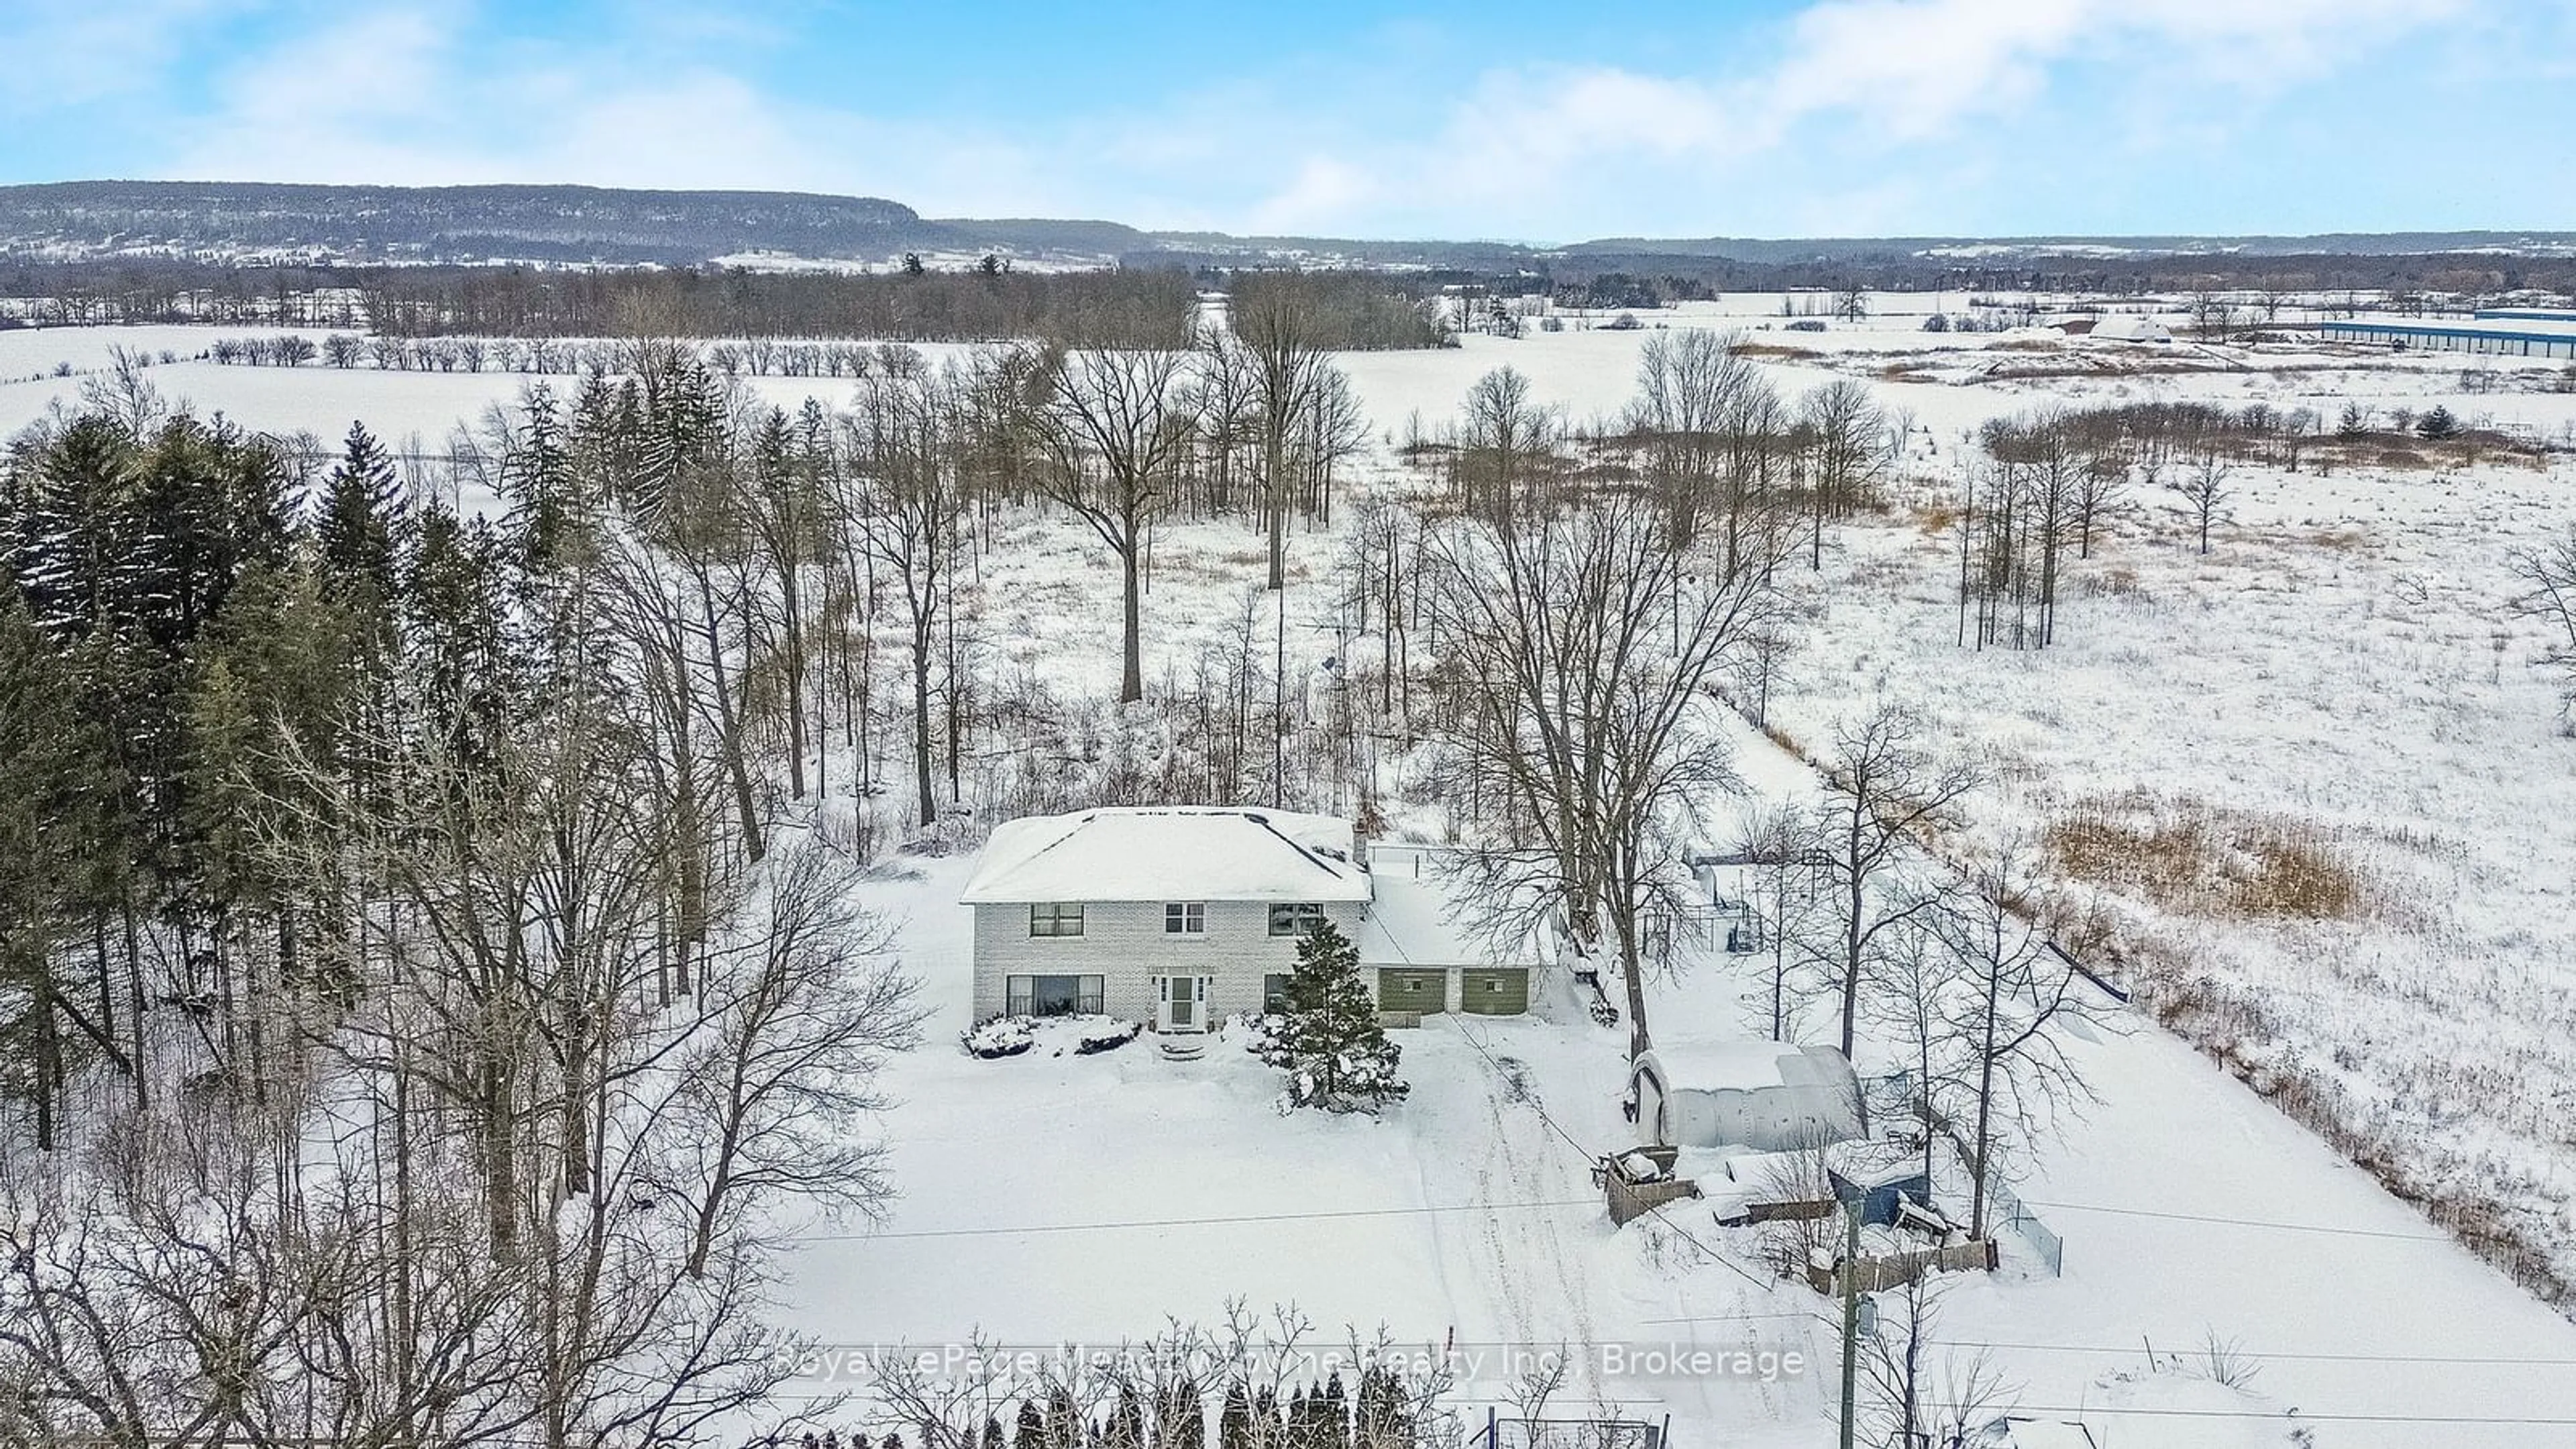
[(1181, 1008)]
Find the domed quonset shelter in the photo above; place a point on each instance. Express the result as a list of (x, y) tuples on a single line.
[(1761, 1096)]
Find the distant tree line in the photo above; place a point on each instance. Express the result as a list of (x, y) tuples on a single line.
[(1141, 306)]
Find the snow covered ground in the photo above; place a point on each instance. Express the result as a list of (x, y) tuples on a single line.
[(2334, 660), (1058, 1197)]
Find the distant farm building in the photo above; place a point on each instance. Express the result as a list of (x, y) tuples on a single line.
[(2132, 329), (2500, 332)]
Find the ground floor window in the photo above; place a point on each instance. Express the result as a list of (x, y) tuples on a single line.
[(1054, 996), (1274, 991)]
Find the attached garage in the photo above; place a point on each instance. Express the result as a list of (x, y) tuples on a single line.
[(1493, 990), (1430, 948), (1415, 989)]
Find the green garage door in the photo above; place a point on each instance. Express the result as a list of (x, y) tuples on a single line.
[(1501, 991), (1425, 990)]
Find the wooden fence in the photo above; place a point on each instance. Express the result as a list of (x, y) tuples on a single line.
[(1898, 1269)]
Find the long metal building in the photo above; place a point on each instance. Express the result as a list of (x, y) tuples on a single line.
[(2499, 331)]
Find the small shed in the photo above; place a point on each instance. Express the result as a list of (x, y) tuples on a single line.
[(1764, 1096), (1883, 1193)]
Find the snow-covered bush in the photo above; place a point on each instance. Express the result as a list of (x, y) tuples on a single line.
[(1107, 1037), (1002, 1036)]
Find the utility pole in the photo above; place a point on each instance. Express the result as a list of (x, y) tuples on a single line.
[(1279, 708), (1851, 1315)]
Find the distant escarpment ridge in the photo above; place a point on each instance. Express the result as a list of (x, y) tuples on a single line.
[(269, 223)]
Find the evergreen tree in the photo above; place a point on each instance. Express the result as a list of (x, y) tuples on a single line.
[(1126, 1421), (462, 673), (536, 477), (2437, 424), (359, 524), (1234, 1421), (1180, 1416), (1063, 1420), (1377, 1421), (48, 785), (1329, 1039), (1028, 1432), (1333, 1418)]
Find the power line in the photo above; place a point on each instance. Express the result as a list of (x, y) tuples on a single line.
[(2284, 1356), (1657, 1209), (2298, 1416), (1139, 1224), (2326, 1229)]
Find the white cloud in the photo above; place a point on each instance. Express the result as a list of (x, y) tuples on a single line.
[(1867, 77), (410, 94), (74, 52)]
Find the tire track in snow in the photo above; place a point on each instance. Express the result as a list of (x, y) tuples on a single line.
[(1543, 1286)]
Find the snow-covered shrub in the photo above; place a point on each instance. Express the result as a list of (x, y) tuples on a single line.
[(1002, 1036), (1261, 1029), (1107, 1037)]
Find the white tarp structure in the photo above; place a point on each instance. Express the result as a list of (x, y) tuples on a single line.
[(1764, 1096), (2132, 328)]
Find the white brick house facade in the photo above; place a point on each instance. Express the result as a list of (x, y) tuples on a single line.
[(1181, 916), (1124, 943)]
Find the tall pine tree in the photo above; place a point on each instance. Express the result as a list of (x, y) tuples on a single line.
[(1329, 1039)]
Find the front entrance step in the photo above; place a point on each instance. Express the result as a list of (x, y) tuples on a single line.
[(1183, 1046)]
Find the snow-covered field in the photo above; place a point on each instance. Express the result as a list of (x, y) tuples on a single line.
[(2335, 659)]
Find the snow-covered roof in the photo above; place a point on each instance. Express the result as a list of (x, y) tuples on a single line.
[(1749, 1066), (2043, 1434), (1417, 919), (1169, 853)]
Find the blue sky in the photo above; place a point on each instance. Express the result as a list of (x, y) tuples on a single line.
[(1501, 119)]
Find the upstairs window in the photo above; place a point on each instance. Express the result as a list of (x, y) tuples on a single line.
[(1295, 920), (1185, 918), (1055, 918)]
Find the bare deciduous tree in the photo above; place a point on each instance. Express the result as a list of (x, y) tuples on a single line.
[(1115, 424), (2203, 486), (2547, 573), (2006, 1011), (1888, 797), (1582, 661), (906, 497)]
